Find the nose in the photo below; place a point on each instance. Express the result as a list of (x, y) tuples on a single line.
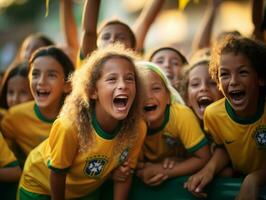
[(233, 80), (121, 84), (166, 64), (204, 86), (112, 39), (41, 79)]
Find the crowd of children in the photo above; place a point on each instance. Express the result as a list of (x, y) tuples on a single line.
[(70, 124)]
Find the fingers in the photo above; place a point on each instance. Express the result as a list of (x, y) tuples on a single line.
[(168, 163), (156, 180)]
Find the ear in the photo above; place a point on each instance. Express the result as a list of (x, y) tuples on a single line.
[(67, 87), (94, 94)]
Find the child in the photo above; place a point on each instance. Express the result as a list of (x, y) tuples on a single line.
[(237, 122), (172, 131), (9, 171), (171, 61), (198, 88), (98, 129), (114, 30), (29, 124), (15, 87)]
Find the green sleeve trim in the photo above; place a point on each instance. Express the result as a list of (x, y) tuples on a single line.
[(56, 169), (202, 143), (12, 164)]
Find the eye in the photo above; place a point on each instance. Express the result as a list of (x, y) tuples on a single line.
[(35, 74), (130, 78), (243, 72), (105, 37), (52, 75), (160, 61), (10, 92), (212, 83), (111, 79), (224, 75), (194, 83)]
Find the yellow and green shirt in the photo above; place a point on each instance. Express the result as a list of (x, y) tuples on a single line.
[(86, 170), (179, 133), (244, 139), (7, 157), (25, 125)]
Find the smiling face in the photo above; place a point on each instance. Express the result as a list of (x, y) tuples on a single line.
[(239, 83), (170, 62), (18, 90), (47, 82), (113, 33), (115, 90), (202, 90), (156, 99)]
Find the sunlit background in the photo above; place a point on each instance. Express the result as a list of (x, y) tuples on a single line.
[(174, 26)]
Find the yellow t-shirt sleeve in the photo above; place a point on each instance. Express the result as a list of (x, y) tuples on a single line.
[(7, 158), (7, 125), (63, 142), (134, 154), (189, 131)]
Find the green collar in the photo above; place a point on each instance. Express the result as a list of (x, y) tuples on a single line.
[(101, 132), (40, 115), (165, 121), (249, 120)]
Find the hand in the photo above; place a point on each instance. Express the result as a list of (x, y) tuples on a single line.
[(249, 189), (168, 163), (122, 172), (151, 174), (198, 181)]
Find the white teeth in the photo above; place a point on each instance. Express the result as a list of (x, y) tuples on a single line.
[(204, 98)]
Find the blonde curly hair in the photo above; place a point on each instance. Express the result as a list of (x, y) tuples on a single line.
[(79, 107)]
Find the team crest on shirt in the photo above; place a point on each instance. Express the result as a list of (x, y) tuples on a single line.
[(169, 140), (123, 156), (260, 136), (94, 166)]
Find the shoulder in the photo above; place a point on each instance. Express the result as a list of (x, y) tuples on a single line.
[(22, 108), (216, 107), (177, 110)]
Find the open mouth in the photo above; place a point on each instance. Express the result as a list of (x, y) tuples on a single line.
[(149, 108), (42, 93), (203, 102), (120, 102), (237, 95)]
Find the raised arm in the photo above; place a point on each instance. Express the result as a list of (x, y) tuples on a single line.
[(257, 18), (69, 27), (203, 37), (89, 26), (144, 21)]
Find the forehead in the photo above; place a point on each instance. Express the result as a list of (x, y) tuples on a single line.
[(115, 28), (199, 71), (229, 60), (18, 79), (166, 53), (117, 64), (47, 63), (154, 78)]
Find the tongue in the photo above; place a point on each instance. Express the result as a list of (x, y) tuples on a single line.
[(202, 108)]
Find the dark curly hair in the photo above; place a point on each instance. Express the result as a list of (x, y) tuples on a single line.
[(254, 50)]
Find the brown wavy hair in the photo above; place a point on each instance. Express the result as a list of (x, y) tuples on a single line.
[(79, 107)]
